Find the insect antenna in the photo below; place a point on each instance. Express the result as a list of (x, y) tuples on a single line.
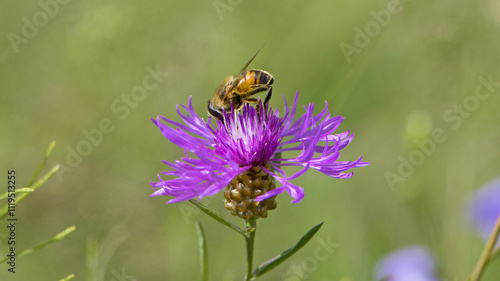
[(250, 61)]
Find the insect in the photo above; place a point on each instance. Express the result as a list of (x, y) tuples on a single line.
[(239, 90)]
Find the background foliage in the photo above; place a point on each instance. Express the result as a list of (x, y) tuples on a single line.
[(393, 93)]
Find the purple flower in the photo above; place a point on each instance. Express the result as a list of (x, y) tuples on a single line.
[(484, 208), (409, 264), (215, 154)]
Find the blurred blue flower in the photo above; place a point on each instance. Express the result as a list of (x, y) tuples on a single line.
[(484, 208), (249, 139), (408, 264)]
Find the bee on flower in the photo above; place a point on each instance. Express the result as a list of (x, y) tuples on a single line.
[(242, 154)]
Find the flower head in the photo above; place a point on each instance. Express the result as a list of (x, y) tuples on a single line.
[(409, 264), (217, 154), (484, 208)]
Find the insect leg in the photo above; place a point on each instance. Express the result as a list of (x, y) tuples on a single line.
[(268, 96), (252, 100)]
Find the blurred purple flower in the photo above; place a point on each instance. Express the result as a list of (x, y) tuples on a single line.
[(484, 208), (247, 139), (408, 264)]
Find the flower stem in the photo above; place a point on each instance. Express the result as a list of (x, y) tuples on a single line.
[(250, 229), (487, 253)]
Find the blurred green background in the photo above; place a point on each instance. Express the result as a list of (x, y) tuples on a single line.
[(82, 59)]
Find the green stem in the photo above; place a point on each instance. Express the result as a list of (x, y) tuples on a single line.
[(250, 229), (487, 253)]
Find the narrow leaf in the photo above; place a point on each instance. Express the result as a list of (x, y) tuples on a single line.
[(202, 244), (67, 278), (40, 167), (41, 181), (57, 237), (217, 217), (272, 263), (21, 190)]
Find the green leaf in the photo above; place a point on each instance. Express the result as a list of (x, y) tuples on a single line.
[(272, 263), (217, 217), (202, 243)]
